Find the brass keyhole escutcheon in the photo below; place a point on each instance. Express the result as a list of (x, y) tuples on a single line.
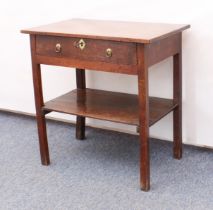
[(58, 48), (81, 44), (108, 52)]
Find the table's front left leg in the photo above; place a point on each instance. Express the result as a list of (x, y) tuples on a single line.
[(143, 95), (40, 116)]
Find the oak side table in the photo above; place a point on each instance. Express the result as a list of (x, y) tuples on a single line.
[(112, 46)]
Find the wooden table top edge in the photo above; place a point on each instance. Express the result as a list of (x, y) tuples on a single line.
[(38, 31)]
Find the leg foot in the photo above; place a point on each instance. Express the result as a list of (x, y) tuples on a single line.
[(144, 163), (80, 128), (177, 143), (145, 187), (44, 151)]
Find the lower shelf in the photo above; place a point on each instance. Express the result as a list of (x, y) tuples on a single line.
[(110, 106)]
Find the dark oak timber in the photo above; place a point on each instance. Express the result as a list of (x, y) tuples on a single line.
[(99, 45), (135, 32), (143, 95), (177, 94), (162, 49), (42, 133), (94, 50), (80, 121), (110, 106), (92, 65)]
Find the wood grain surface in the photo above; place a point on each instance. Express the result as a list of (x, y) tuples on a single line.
[(107, 105), (109, 30)]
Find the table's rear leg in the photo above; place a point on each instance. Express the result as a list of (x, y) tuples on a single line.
[(40, 116), (177, 114), (80, 121)]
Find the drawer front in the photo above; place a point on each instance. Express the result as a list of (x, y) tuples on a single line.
[(87, 49)]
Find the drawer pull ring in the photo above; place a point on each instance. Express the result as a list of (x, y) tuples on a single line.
[(58, 48), (108, 52)]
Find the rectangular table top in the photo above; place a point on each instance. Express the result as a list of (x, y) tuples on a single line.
[(138, 32)]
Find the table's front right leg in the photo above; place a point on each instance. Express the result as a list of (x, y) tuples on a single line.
[(143, 96), (40, 116)]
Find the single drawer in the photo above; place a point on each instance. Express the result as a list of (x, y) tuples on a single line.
[(87, 49)]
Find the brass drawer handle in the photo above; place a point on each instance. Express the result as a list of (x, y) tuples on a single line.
[(58, 48), (81, 44), (108, 52)]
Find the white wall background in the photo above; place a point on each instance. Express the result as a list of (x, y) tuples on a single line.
[(16, 90)]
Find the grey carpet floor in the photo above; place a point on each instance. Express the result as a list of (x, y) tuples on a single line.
[(101, 173)]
